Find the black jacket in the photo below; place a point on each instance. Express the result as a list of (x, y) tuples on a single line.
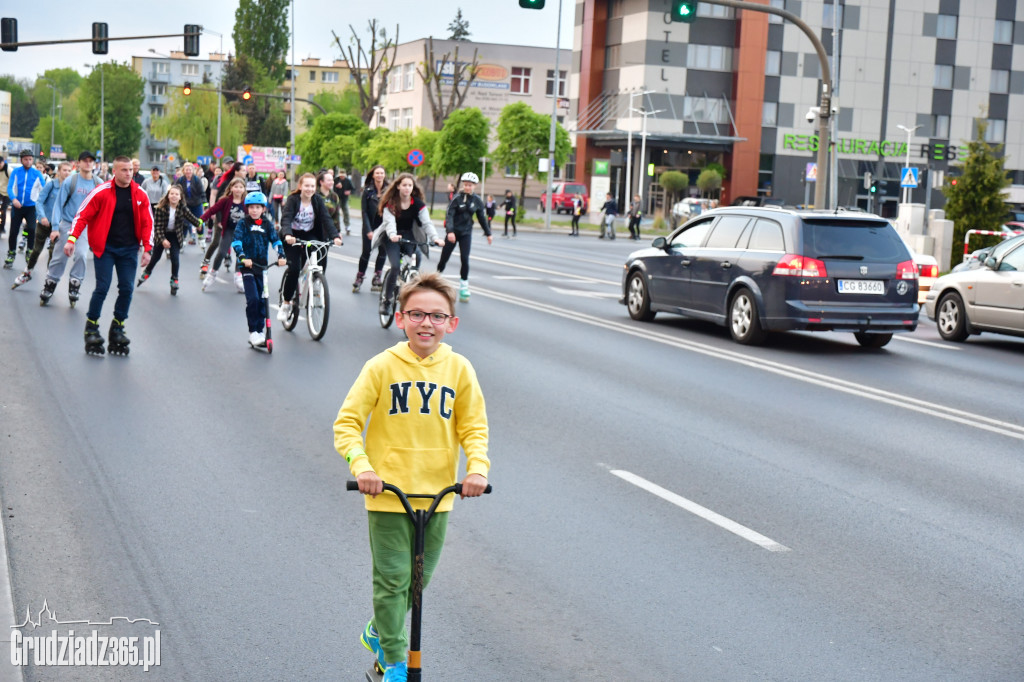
[(323, 226), (461, 210), (371, 216)]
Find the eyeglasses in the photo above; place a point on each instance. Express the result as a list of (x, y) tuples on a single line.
[(418, 315)]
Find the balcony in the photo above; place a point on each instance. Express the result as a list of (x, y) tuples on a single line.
[(155, 77)]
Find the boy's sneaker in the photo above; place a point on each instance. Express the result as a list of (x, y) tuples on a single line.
[(257, 339), (371, 640), (284, 312), (239, 284), (396, 672)]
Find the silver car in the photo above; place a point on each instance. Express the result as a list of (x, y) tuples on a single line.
[(988, 298)]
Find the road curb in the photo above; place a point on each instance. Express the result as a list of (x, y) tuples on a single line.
[(8, 672)]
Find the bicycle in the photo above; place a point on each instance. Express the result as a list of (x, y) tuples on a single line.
[(407, 271), (312, 293), (419, 518)]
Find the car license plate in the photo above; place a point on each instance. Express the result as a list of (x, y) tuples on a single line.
[(861, 286)]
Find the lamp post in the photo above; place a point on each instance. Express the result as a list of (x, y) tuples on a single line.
[(220, 74), (554, 123), (629, 144), (53, 109), (643, 153), (292, 149), (483, 177), (910, 132)]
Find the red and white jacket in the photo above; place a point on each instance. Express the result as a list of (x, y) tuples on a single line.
[(97, 211)]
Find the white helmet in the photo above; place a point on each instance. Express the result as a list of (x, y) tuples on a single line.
[(470, 177)]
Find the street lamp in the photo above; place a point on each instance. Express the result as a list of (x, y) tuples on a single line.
[(629, 145), (643, 153), (220, 75), (554, 124), (910, 133), (53, 109)]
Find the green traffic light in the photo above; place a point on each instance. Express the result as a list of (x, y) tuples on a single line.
[(684, 11), (531, 4)]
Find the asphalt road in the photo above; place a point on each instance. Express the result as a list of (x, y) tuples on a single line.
[(667, 505)]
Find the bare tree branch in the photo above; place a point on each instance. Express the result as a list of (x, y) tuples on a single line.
[(431, 71), (370, 69)]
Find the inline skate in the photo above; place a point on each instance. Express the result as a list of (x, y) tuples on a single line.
[(93, 338), (74, 285), (48, 288), (117, 342)]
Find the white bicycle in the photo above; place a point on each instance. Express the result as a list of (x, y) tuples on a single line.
[(311, 294)]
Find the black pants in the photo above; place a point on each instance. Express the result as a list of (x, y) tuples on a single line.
[(634, 226), (364, 256), (575, 224), (394, 251), (296, 255), (5, 201), (42, 234), (508, 217), (27, 214), (172, 254), (223, 247), (463, 240)]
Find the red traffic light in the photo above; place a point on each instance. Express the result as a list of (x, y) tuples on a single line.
[(953, 182), (186, 89), (246, 95)]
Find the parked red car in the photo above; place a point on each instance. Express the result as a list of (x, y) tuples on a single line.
[(561, 196)]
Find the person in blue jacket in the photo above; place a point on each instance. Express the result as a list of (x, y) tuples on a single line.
[(253, 235), (44, 209), (23, 188)]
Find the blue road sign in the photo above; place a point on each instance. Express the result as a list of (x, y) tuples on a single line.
[(909, 177), (414, 157), (247, 160), (204, 160), (218, 152)]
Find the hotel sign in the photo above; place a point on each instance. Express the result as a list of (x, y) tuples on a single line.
[(857, 146)]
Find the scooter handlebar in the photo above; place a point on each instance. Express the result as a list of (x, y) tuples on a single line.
[(354, 485)]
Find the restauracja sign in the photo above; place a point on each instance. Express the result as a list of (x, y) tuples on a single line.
[(849, 145)]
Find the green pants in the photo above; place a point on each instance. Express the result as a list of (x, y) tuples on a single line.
[(391, 545)]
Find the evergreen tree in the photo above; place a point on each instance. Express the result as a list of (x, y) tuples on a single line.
[(976, 201), (459, 28)]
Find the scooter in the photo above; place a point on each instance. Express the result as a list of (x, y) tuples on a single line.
[(420, 518), (269, 347)]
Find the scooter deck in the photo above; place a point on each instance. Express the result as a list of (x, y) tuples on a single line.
[(372, 675)]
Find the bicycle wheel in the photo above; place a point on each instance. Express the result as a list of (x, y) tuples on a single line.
[(293, 318), (385, 308), (318, 305)]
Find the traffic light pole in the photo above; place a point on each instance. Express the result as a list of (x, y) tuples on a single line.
[(268, 95), (15, 46), (825, 105)]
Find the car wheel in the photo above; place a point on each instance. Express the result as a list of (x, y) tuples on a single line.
[(744, 323), (951, 318), (638, 300), (869, 340)]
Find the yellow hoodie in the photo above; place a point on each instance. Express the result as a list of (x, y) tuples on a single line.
[(422, 410)]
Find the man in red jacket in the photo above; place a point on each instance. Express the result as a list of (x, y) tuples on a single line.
[(119, 220)]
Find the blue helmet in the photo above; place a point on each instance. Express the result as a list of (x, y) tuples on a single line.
[(256, 198)]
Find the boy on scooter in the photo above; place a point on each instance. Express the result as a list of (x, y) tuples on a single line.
[(253, 235), (425, 402)]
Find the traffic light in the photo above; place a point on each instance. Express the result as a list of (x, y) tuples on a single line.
[(9, 33), (246, 95), (532, 4), (192, 41), (684, 11), (953, 182), (186, 89), (99, 37), (874, 187)]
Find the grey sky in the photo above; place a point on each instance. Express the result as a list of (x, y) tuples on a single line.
[(490, 21)]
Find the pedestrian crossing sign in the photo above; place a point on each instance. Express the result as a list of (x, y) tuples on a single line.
[(909, 178)]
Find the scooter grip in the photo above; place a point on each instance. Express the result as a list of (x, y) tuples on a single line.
[(458, 489), (351, 485)]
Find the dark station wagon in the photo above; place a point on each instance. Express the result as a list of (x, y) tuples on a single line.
[(757, 270)]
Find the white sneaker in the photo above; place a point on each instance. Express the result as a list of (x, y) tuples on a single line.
[(284, 312), (238, 282), (257, 339), (210, 278)]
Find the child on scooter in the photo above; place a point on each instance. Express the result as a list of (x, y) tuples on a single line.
[(425, 403), (253, 234)]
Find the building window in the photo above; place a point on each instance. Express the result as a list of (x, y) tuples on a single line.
[(312, 75), (612, 57), (409, 73), (705, 110), (777, 4), (189, 69), (1000, 81), (158, 88), (329, 76), (396, 80), (393, 119), (512, 171), (550, 86), (943, 76), (770, 114), (162, 67), (156, 111), (520, 82), (940, 126), (709, 57), (1004, 32), (288, 74), (773, 63), (995, 133), (407, 118), (946, 27), (614, 9)]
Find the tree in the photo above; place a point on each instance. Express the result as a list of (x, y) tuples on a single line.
[(24, 114), (523, 137), (66, 81), (673, 182), (261, 34), (709, 181), (459, 28), (61, 134), (344, 102), (370, 69), (123, 95), (265, 119), (392, 149), (976, 201), (192, 122), (447, 80), (331, 141), (462, 142)]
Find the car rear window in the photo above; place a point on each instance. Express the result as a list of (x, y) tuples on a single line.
[(767, 236), (573, 189), (868, 240)]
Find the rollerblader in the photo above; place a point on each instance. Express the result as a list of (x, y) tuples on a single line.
[(611, 211), (230, 208), (509, 206), (24, 186), (70, 197), (414, 446), (459, 224), (119, 220), (375, 186), (169, 224), (44, 210)]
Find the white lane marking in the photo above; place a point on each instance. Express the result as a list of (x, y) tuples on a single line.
[(564, 256), (557, 273), (931, 409), (703, 512), (933, 344), (524, 278), (584, 294)]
